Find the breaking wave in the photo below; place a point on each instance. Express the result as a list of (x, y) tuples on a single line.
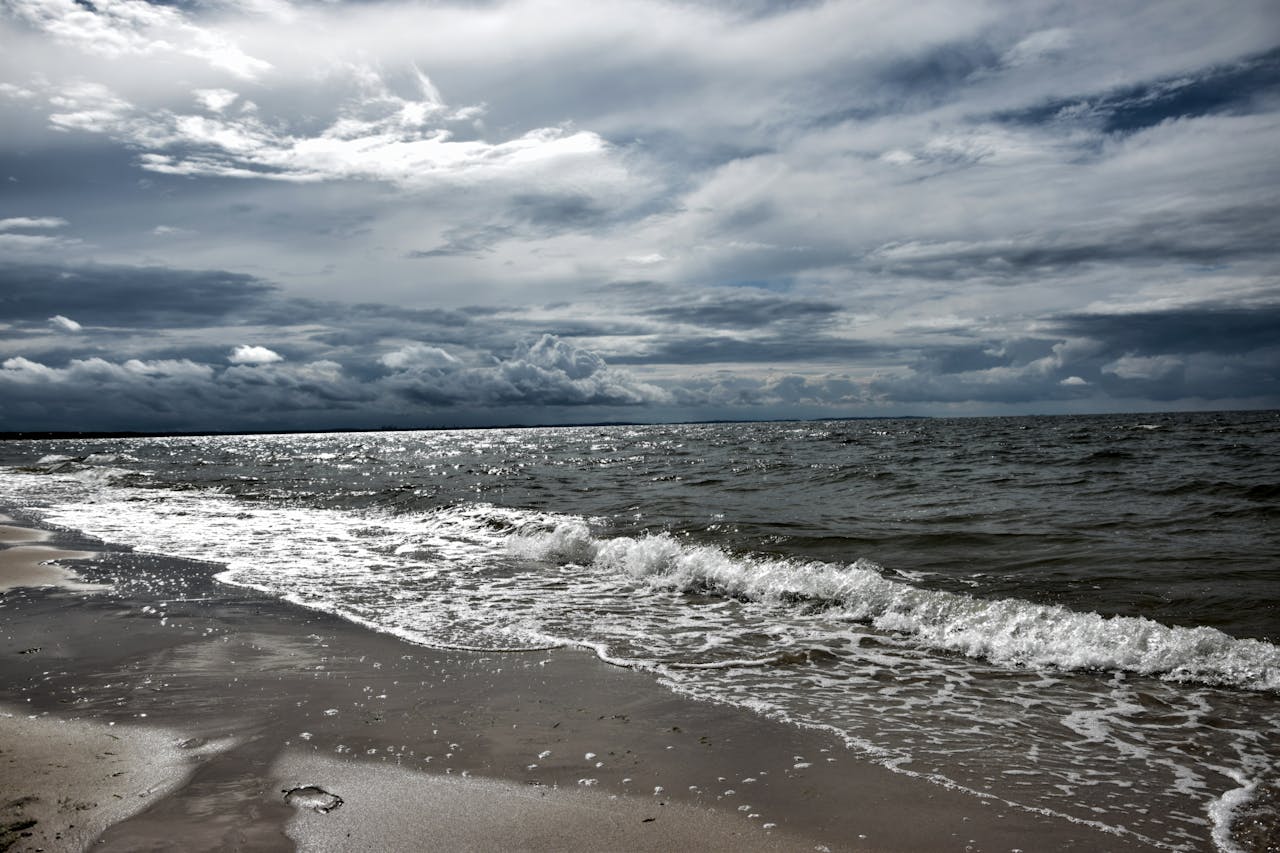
[(1004, 631)]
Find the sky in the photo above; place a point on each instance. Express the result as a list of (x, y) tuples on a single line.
[(295, 214)]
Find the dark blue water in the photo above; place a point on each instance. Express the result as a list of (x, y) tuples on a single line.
[(1074, 614)]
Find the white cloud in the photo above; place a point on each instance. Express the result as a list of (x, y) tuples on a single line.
[(247, 148), (124, 28), (24, 371), (64, 323), (1074, 381), (215, 100), (1039, 46), (989, 145), (646, 260), (545, 372), (378, 136), (898, 157), (12, 90), (89, 107), (418, 356), (1143, 367), (169, 368), (31, 222), (246, 354), (87, 372), (20, 243), (552, 353), (25, 242), (322, 378)]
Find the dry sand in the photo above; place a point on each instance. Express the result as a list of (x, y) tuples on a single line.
[(23, 564), (10, 535), (62, 783), (36, 566), (428, 749)]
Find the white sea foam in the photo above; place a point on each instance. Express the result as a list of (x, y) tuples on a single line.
[(52, 459), (95, 474), (108, 458), (1005, 631), (1224, 811)]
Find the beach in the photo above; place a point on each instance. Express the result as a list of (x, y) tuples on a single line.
[(186, 710)]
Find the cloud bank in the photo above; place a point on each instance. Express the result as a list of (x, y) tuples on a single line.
[(338, 365)]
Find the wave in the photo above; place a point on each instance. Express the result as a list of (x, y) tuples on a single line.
[(1004, 631), (93, 468), (1243, 818)]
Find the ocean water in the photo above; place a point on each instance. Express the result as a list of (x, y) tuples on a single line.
[(1075, 615)]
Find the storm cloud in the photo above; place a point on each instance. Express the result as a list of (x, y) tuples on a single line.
[(124, 296), (304, 215)]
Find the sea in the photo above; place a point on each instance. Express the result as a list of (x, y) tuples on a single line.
[(1074, 615)]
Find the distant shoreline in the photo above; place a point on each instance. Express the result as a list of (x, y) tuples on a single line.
[(56, 435)]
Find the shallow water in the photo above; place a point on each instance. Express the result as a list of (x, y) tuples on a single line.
[(1073, 614)]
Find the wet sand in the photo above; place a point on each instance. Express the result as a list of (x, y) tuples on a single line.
[(10, 535), (250, 698)]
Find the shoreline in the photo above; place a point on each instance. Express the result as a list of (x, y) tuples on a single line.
[(557, 749)]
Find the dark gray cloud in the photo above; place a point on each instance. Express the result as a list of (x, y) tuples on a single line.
[(1205, 352), (755, 8), (556, 212), (382, 312), (690, 154), (1196, 236), (1248, 85), (132, 296), (55, 171), (157, 298), (527, 217), (466, 242), (705, 349), (1199, 352), (734, 311), (420, 383), (932, 76), (1224, 329), (973, 358)]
